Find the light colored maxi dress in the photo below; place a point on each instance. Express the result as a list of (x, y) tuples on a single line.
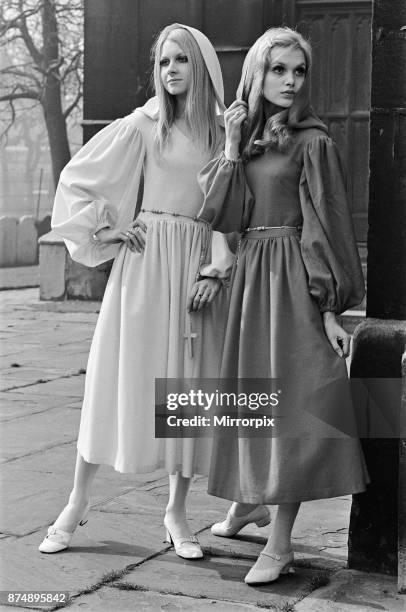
[(283, 280), (140, 331)]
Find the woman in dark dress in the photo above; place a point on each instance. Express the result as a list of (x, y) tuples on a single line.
[(279, 182)]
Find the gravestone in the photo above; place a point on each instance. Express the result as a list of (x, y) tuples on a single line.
[(8, 241), (27, 241), (62, 278)]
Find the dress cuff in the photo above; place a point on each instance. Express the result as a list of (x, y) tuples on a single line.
[(328, 308), (230, 161), (105, 221)]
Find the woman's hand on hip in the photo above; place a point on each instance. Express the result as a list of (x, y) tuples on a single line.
[(133, 236), (234, 117), (202, 293), (338, 337)]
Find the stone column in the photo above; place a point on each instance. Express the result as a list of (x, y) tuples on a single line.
[(379, 342)]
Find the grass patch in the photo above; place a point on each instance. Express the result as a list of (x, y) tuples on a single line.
[(318, 581), (127, 586)]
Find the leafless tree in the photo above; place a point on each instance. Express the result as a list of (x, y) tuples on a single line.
[(41, 63)]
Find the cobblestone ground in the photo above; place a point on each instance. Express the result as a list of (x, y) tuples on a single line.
[(118, 561)]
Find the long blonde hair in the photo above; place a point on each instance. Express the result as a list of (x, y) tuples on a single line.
[(200, 108), (260, 134)]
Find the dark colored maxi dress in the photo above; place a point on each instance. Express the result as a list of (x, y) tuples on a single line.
[(283, 280)]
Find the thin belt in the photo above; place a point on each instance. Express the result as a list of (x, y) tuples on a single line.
[(263, 231), (168, 213)]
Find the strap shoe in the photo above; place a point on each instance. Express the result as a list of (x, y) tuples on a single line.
[(233, 524), (187, 548), (268, 567), (57, 539)]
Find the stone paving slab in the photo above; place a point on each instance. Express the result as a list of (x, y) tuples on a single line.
[(28, 299), (42, 482), (56, 336), (143, 503), (353, 591), (14, 405), (38, 432), (218, 578), (60, 460), (202, 508), (15, 377), (110, 598), (320, 534), (108, 542), (9, 347), (71, 386), (11, 609), (21, 377), (125, 526), (58, 361)]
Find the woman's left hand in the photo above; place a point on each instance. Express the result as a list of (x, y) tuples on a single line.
[(202, 293), (338, 337)]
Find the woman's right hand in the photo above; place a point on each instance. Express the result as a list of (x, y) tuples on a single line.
[(234, 117), (133, 236)]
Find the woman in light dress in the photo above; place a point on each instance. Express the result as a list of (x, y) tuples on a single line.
[(163, 312), (279, 181)]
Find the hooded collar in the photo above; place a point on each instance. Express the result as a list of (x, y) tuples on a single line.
[(301, 114), (151, 107)]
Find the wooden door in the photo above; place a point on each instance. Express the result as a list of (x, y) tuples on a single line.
[(341, 84), (119, 35), (231, 25)]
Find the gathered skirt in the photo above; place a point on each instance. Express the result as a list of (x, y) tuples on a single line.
[(139, 336), (275, 330)]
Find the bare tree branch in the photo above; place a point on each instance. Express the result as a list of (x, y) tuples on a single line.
[(73, 105), (73, 65), (10, 24), (8, 127), (14, 95), (43, 41), (36, 55), (23, 74)]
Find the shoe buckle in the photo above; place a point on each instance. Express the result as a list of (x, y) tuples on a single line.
[(193, 539)]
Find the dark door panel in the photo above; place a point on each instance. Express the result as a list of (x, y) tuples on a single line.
[(341, 83)]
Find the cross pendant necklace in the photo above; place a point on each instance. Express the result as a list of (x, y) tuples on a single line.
[(189, 336)]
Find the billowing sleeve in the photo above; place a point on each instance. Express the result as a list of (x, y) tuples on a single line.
[(227, 197), (97, 189), (222, 258), (328, 243)]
